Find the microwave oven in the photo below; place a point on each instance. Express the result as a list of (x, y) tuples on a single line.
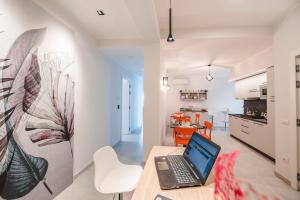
[(263, 92)]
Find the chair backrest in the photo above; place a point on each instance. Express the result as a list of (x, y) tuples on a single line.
[(197, 118), (185, 130), (183, 134), (105, 159), (208, 126)]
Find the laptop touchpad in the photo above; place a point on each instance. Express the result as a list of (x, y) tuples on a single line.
[(163, 165)]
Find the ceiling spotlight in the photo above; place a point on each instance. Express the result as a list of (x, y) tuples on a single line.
[(209, 77), (100, 12)]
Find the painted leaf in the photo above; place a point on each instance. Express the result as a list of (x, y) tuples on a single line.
[(23, 174), (22, 63), (32, 84), (58, 100), (20, 172)]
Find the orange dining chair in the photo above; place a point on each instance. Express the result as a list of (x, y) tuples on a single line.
[(185, 119), (207, 130), (183, 134), (197, 119)]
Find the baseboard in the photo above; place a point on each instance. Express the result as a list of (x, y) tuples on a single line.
[(282, 178), (255, 149), (116, 144), (83, 169)]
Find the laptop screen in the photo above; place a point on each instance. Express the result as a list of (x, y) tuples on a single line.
[(201, 155)]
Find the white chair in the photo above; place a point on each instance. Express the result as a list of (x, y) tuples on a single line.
[(112, 176)]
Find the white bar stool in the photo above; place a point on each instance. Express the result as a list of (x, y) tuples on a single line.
[(112, 176)]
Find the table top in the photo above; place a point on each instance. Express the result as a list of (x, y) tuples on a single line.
[(148, 186), (173, 125)]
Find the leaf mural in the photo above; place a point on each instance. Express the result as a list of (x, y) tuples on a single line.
[(19, 171), (57, 124), (25, 172)]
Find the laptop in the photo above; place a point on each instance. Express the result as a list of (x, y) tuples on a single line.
[(190, 169)]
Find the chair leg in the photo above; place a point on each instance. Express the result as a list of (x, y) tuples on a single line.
[(120, 196)]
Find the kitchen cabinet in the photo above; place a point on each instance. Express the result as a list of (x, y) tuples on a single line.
[(256, 134), (271, 101), (263, 139), (271, 81), (245, 130), (239, 90), (249, 88), (234, 126)]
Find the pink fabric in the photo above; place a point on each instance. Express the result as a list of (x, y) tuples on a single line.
[(227, 187)]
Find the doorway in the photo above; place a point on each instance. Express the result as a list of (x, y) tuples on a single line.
[(126, 87)]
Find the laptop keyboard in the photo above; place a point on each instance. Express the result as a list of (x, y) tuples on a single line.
[(182, 174)]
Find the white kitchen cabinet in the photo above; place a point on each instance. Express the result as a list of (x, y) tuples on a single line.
[(256, 134), (239, 90), (245, 130), (271, 108), (250, 87), (263, 138), (271, 82), (234, 126)]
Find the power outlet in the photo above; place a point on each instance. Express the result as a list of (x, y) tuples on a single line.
[(285, 122)]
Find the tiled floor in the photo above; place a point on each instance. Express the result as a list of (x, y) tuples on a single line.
[(250, 167), (129, 151)]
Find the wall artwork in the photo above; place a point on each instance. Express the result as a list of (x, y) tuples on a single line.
[(36, 120)]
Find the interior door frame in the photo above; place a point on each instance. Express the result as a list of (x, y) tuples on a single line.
[(294, 146), (129, 110)]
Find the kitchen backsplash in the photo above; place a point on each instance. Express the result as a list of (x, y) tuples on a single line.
[(258, 106)]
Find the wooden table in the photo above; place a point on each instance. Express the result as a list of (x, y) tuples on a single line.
[(148, 186)]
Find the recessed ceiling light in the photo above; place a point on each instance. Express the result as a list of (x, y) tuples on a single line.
[(100, 12)]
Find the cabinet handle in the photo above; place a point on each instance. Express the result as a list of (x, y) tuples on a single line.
[(258, 124), (272, 96), (245, 126), (272, 100), (245, 132)]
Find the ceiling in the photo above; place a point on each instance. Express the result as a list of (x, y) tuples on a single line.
[(221, 32), (131, 59), (116, 23), (186, 54), (189, 14)]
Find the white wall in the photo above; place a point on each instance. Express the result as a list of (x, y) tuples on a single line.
[(286, 43), (152, 121), (136, 104), (220, 96), (253, 64), (91, 74)]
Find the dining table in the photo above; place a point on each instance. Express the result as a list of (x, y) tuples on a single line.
[(176, 124)]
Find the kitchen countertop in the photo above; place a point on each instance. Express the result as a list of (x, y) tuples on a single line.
[(264, 121)]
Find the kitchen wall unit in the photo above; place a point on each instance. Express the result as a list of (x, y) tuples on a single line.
[(255, 134), (249, 88), (271, 99)]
